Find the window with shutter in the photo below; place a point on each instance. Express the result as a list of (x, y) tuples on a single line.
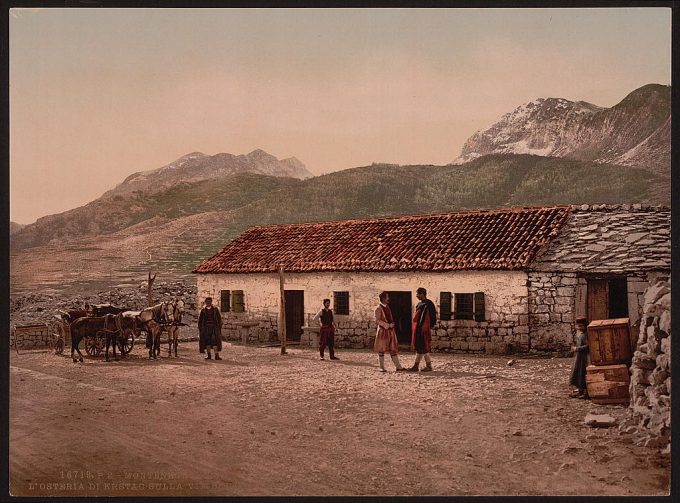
[(225, 301), (479, 306), (238, 305), (464, 306), (445, 305), (341, 303)]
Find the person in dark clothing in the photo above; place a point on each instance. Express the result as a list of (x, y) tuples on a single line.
[(210, 330), (327, 330), (581, 361), (423, 321)]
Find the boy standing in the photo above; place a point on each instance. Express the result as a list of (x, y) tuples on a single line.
[(327, 330), (581, 361)]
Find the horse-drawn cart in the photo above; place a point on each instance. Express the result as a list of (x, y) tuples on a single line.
[(60, 328)]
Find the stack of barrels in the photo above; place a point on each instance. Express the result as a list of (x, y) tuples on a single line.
[(607, 378)]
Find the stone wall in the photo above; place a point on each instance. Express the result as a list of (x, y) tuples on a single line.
[(650, 385), (557, 298), (552, 300), (30, 338)]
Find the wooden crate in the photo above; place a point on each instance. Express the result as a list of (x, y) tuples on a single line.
[(608, 383), (609, 341)]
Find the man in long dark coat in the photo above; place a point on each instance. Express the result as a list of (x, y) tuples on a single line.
[(210, 330), (581, 361), (421, 335)]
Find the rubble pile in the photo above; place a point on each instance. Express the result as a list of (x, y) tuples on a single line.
[(650, 384), (41, 307)]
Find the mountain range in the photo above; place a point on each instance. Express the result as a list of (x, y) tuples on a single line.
[(634, 132), (172, 217)]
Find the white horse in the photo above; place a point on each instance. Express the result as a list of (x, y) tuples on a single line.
[(173, 330), (153, 319)]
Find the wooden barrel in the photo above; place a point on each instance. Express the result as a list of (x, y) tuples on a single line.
[(608, 383), (609, 341)]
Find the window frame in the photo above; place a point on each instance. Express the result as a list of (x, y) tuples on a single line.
[(468, 315), (344, 304)]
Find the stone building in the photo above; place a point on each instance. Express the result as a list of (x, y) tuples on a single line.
[(598, 268), (502, 280)]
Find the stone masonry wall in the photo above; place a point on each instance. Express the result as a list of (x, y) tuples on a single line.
[(650, 384), (557, 298), (551, 310), (32, 339)]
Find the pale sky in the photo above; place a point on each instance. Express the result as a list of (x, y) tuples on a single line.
[(97, 94)]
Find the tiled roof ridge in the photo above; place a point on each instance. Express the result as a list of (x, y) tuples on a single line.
[(512, 209), (453, 240), (576, 208)]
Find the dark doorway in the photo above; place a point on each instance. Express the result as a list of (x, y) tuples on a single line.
[(607, 298), (618, 298), (295, 313), (400, 305)]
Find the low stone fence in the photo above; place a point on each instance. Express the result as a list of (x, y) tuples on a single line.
[(30, 337), (650, 384)]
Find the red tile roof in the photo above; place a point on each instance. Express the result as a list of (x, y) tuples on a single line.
[(498, 239)]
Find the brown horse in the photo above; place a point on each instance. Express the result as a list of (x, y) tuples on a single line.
[(88, 327)]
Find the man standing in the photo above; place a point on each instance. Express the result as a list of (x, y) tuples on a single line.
[(210, 330), (327, 330), (423, 321), (386, 337)]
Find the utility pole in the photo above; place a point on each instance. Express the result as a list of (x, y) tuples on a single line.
[(282, 313), (149, 297)]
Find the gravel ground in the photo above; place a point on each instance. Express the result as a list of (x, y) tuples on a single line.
[(258, 423)]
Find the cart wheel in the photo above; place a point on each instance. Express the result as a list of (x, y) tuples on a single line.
[(93, 346), (57, 333), (129, 343)]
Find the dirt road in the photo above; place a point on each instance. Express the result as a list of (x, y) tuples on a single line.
[(258, 423)]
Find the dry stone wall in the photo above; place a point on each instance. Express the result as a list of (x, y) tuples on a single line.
[(650, 385)]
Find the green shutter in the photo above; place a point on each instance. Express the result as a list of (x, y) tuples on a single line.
[(225, 301), (479, 306), (445, 305), (237, 301)]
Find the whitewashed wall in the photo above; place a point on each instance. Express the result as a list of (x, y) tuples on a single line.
[(504, 329), (504, 290)]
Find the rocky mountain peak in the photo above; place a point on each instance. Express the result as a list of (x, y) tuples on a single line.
[(633, 132), (198, 166)]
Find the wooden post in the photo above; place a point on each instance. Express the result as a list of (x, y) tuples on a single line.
[(149, 297), (282, 314)]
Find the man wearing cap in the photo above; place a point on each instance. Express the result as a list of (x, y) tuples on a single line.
[(210, 330), (423, 321)]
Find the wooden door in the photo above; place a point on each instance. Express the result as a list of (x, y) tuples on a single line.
[(598, 299), (295, 313)]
